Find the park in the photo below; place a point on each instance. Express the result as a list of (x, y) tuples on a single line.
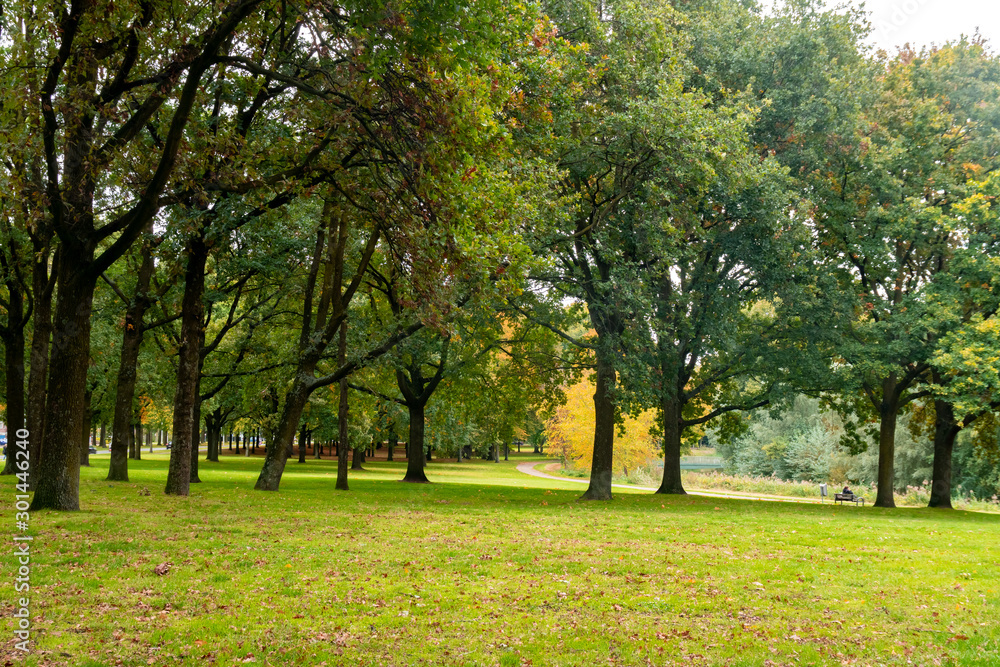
[(488, 566), (559, 332)]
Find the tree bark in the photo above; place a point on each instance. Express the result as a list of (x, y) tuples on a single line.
[(41, 289), (85, 436), (357, 458), (196, 423), (415, 460), (945, 430), (59, 464), (213, 425), (671, 412), (134, 445), (192, 316), (14, 368), (343, 413), (392, 443), (888, 413), (302, 444), (128, 369), (604, 433), (276, 452)]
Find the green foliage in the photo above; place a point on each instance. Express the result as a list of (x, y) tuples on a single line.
[(803, 443)]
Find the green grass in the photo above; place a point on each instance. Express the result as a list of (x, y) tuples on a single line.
[(491, 567)]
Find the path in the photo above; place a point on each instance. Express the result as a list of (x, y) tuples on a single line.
[(528, 468)]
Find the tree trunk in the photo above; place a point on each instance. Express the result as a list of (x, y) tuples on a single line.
[(124, 397), (129, 441), (604, 433), (357, 458), (85, 436), (343, 414), (41, 334), (302, 444), (889, 411), (415, 446), (14, 367), (196, 422), (945, 431), (209, 438), (213, 424), (59, 464), (128, 368), (276, 452), (671, 412), (392, 443), (192, 317)]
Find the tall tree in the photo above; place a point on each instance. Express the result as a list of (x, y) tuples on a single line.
[(638, 139), (107, 78)]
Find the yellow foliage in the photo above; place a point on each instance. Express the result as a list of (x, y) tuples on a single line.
[(570, 433)]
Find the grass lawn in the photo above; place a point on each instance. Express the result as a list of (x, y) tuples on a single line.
[(491, 567)]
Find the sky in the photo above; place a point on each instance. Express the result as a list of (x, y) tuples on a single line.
[(920, 22)]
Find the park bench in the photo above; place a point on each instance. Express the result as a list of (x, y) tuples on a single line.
[(848, 498)]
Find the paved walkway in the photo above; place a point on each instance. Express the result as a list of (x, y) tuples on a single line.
[(528, 468)]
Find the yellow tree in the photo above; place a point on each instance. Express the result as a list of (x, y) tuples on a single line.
[(570, 432)]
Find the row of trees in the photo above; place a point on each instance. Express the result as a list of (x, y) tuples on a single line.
[(268, 210)]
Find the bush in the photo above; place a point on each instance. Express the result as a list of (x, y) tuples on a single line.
[(801, 444)]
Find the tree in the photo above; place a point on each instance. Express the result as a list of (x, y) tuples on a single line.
[(966, 300), (933, 133), (570, 432), (636, 148), (133, 331), (107, 78), (17, 308), (402, 194)]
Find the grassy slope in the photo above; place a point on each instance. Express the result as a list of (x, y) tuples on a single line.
[(494, 567)]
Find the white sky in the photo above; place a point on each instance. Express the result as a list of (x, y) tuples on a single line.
[(921, 22)]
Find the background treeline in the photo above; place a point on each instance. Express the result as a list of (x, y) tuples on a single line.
[(352, 224), (803, 444)]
